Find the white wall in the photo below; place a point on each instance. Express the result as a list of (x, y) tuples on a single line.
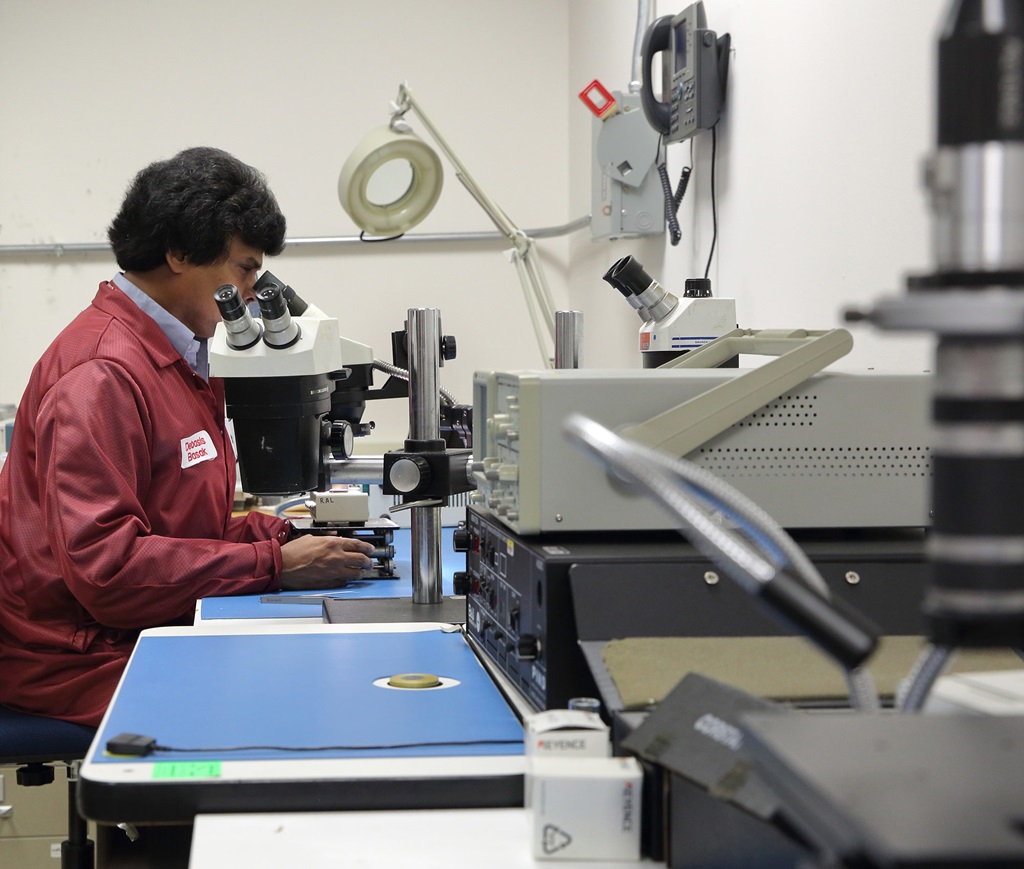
[(91, 92), (829, 115)]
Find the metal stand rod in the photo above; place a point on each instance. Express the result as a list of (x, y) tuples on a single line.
[(359, 470), (568, 339), (424, 331)]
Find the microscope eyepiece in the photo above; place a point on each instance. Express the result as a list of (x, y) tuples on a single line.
[(628, 277), (612, 277), (273, 305), (279, 330), (242, 330), (229, 300), (651, 300), (296, 304)]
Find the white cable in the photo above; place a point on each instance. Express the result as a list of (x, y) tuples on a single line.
[(290, 504), (862, 690), (913, 691)]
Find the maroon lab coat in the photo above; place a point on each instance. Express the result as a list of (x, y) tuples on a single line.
[(115, 510)]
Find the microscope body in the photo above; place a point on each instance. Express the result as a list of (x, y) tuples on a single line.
[(672, 325), (280, 398), (296, 391)]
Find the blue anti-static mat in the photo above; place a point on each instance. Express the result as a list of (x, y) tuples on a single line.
[(307, 690)]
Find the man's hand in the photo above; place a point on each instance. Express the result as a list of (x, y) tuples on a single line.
[(313, 561)]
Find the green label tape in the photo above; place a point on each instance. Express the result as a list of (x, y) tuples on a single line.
[(187, 769)]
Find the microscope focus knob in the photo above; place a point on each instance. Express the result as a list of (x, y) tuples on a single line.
[(341, 437), (448, 347), (409, 473)]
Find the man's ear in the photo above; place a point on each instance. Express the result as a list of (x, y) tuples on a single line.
[(176, 261)]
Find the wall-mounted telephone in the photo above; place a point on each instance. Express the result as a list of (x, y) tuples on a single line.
[(694, 67)]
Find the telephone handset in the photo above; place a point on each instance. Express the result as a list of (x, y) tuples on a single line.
[(694, 65)]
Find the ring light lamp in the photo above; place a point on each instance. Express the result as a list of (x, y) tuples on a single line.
[(379, 148), (396, 141)]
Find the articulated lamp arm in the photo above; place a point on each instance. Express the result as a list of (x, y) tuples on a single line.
[(536, 291), (406, 102)]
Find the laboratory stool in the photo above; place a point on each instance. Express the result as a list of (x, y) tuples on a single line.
[(32, 743)]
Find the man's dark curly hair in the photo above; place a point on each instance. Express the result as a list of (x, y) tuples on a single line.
[(194, 204)]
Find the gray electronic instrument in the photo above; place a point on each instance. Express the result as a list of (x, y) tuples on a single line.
[(839, 450), (539, 607)]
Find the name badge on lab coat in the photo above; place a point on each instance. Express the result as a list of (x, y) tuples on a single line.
[(197, 448)]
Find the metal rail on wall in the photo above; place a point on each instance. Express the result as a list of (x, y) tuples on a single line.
[(58, 249)]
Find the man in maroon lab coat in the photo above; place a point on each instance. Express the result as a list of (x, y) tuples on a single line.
[(116, 496)]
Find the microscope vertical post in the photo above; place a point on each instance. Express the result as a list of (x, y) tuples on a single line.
[(424, 330)]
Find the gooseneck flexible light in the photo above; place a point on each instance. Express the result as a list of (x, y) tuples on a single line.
[(397, 142)]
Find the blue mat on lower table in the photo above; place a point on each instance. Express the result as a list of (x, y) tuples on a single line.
[(280, 696)]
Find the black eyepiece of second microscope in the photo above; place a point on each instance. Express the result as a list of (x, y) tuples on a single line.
[(628, 277)]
